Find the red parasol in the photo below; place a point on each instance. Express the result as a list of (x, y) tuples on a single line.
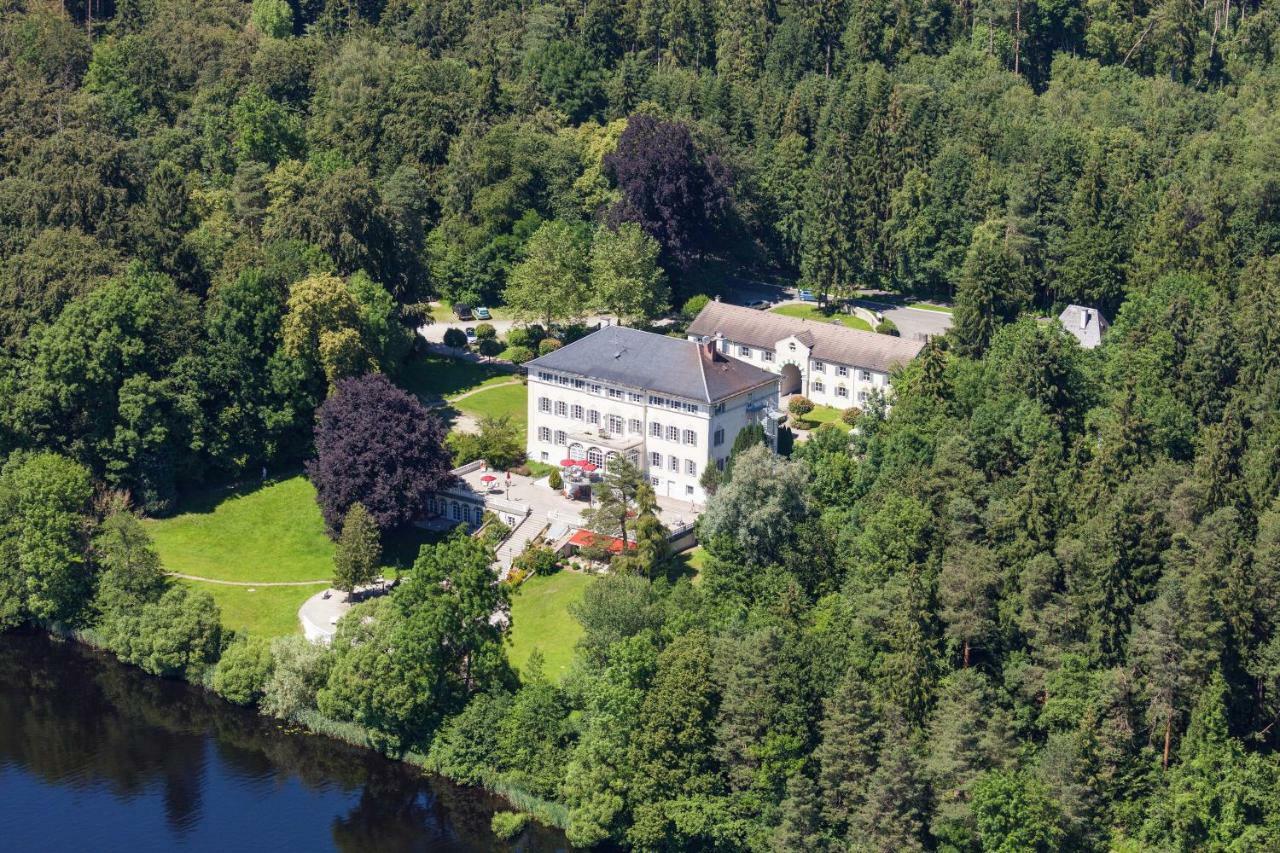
[(488, 478), (588, 466), (568, 463)]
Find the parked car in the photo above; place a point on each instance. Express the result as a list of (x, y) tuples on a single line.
[(807, 296), (462, 311), (482, 313), (758, 304), (471, 334)]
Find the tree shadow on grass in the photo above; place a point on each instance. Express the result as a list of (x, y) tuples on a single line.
[(206, 499)]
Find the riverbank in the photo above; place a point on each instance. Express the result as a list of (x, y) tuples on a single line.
[(549, 814)]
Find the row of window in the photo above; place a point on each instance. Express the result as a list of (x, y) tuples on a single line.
[(673, 433), (592, 387), (679, 405), (612, 423), (817, 366), (455, 510), (841, 391), (673, 464), (841, 370)]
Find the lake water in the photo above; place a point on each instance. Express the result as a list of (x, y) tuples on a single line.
[(97, 756)]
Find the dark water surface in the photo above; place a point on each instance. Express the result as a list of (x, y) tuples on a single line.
[(97, 756)]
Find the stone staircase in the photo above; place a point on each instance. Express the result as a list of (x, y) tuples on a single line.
[(529, 528)]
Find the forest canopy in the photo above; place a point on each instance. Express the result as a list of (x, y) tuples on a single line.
[(1033, 606)]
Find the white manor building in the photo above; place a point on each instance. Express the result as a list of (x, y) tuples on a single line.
[(829, 363), (671, 406)]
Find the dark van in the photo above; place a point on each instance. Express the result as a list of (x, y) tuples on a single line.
[(462, 310)]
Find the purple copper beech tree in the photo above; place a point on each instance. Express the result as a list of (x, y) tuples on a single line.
[(669, 187), (377, 445)]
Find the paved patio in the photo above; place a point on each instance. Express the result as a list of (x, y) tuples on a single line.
[(542, 500)]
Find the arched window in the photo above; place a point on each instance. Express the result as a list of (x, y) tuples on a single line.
[(575, 451), (457, 512), (610, 458), (594, 456)]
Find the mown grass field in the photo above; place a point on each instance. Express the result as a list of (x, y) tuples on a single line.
[(819, 416), (540, 620), (261, 611), (256, 535), (510, 400), (811, 312), (434, 376), (268, 533)]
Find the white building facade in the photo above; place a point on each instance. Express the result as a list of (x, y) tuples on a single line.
[(829, 363), (671, 406)]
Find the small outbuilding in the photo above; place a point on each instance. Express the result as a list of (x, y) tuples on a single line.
[(1086, 325)]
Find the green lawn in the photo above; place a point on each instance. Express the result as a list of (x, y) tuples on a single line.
[(540, 619), (271, 533), (930, 306), (819, 416), (433, 376), (811, 312), (261, 611), (510, 400)]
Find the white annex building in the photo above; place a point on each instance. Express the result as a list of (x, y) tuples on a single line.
[(671, 406), (829, 363)]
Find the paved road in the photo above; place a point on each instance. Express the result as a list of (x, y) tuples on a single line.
[(913, 323)]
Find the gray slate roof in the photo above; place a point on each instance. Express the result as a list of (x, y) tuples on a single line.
[(643, 360), (833, 342), (1087, 325)]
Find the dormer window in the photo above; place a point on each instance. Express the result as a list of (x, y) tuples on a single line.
[(792, 346)]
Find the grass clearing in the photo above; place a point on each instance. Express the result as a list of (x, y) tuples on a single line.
[(510, 400), (252, 533), (262, 534), (811, 312), (261, 611), (432, 377), (540, 620), (819, 416)]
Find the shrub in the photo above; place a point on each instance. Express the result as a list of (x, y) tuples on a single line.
[(300, 668), (536, 334), (538, 560), (887, 327), (517, 337), (486, 331), (455, 338), (490, 346), (800, 406), (554, 480), (508, 825), (242, 672), (464, 447), (694, 304), (548, 345), (519, 355), (850, 415)]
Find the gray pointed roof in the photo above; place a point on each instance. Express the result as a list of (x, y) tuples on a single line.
[(833, 342), (1086, 325), (645, 361)]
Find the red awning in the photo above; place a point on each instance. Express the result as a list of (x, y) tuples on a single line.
[(588, 539)]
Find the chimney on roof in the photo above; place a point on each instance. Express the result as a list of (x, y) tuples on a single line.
[(711, 346), (1084, 318)]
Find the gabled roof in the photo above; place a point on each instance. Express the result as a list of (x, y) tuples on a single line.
[(645, 361), (1087, 325), (833, 342)]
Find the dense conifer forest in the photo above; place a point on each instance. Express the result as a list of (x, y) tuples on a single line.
[(1032, 607)]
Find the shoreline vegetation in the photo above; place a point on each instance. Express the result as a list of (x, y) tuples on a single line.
[(547, 812)]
